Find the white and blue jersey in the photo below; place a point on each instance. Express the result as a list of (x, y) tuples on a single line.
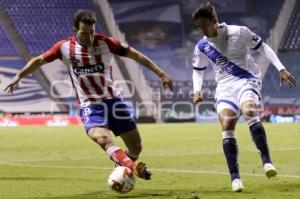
[(235, 69), (229, 53)]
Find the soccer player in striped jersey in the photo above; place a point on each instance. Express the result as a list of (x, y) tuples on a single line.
[(238, 78), (89, 58)]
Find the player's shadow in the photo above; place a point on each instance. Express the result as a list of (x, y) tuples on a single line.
[(149, 194), (30, 178), (109, 195)]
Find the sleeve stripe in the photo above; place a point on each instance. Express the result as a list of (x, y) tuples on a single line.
[(258, 45), (199, 69)]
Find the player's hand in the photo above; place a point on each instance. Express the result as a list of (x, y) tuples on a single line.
[(166, 81), (10, 87), (285, 75), (198, 97)]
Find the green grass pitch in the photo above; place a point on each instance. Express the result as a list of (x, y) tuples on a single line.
[(186, 159)]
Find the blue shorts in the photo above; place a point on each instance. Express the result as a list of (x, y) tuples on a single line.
[(112, 114)]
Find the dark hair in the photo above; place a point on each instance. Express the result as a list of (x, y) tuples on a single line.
[(205, 10), (84, 16)]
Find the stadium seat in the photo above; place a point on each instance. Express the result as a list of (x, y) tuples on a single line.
[(6, 47), (41, 23)]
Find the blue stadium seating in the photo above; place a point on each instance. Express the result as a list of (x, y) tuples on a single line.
[(289, 55), (6, 47), (291, 39), (41, 23), (156, 31)]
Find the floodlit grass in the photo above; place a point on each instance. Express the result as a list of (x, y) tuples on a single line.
[(186, 159)]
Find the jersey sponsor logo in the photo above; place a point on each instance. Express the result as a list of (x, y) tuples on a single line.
[(98, 68)]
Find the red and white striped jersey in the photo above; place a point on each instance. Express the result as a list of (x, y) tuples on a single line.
[(90, 68)]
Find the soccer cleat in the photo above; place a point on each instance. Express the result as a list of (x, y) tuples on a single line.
[(270, 170), (237, 185), (140, 170)]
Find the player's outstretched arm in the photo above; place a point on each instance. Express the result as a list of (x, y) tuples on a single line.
[(29, 68), (139, 57), (270, 55)]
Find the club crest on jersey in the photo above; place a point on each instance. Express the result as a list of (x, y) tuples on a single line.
[(98, 68), (255, 38)]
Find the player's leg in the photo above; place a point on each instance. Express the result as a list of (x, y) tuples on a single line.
[(122, 124), (96, 123), (249, 106), (228, 116), (103, 138), (133, 142)]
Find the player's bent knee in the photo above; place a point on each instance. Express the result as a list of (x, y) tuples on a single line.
[(100, 136), (249, 109), (248, 114), (103, 140)]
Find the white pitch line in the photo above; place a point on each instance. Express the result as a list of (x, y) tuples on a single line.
[(158, 155), (52, 166), (161, 154), (217, 172), (157, 170), (217, 152)]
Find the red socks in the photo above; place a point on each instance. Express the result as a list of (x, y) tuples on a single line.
[(119, 157)]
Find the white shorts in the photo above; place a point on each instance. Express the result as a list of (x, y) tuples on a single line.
[(232, 94)]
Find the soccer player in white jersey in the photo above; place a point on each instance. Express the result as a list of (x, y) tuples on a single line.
[(238, 78), (89, 59)]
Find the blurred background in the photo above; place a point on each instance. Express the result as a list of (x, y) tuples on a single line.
[(164, 31)]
